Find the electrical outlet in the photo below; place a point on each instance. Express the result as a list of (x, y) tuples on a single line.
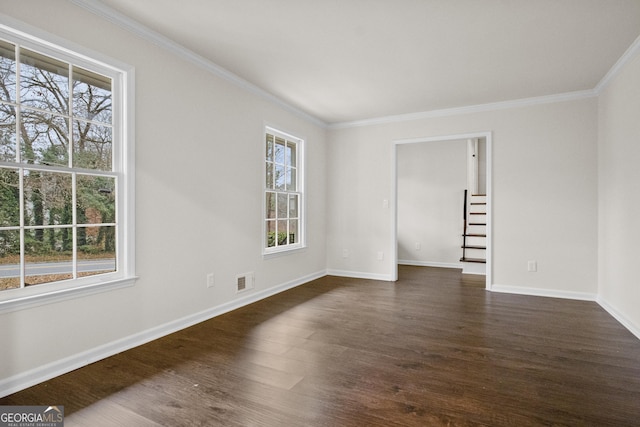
[(345, 253), (211, 280), (418, 246), (532, 266), (380, 256)]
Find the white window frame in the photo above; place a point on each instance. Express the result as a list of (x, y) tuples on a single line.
[(123, 77), (300, 191)]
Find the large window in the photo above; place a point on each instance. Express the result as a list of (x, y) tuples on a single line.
[(283, 217), (63, 170)]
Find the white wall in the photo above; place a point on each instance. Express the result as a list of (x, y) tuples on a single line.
[(199, 180), (482, 166), (619, 201), (432, 177), (544, 194)]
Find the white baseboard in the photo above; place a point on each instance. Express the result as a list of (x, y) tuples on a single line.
[(457, 265), (360, 275), (43, 373), (633, 328), (583, 296), (551, 293)]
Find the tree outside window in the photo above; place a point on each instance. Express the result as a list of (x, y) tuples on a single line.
[(58, 187)]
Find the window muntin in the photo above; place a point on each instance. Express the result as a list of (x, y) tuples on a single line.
[(59, 172), (283, 192)]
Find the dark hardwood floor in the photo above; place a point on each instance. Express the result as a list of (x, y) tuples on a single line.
[(428, 350)]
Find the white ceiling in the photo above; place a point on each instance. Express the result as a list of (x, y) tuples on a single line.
[(348, 60)]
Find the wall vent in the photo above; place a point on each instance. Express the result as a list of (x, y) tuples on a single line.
[(244, 282)]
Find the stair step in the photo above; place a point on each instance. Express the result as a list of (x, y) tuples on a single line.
[(475, 235), (478, 260)]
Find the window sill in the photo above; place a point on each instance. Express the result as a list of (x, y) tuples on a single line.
[(30, 301), (283, 252)]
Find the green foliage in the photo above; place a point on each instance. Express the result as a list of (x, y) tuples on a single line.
[(9, 197), (9, 212), (90, 249), (34, 243), (96, 196), (271, 238), (9, 243), (282, 238)]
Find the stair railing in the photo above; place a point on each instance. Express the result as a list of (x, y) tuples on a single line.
[(464, 232)]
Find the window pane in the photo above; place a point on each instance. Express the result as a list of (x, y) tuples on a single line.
[(44, 82), (269, 148), (91, 96), (293, 206), (9, 282), (291, 154), (9, 198), (282, 205), (7, 71), (9, 259), (96, 250), (45, 139), (282, 232), (279, 154), (279, 177), (291, 180), (7, 133), (293, 231), (48, 255), (92, 146), (271, 205), (95, 199), (271, 233), (269, 178), (47, 199)]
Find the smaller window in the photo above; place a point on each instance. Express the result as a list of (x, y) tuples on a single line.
[(283, 194)]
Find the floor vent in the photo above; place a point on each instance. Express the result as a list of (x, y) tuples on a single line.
[(244, 282)]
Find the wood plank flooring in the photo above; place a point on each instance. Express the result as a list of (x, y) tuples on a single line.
[(428, 350)]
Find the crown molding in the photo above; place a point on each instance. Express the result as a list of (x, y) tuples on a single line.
[(123, 21), (629, 54), (518, 103)]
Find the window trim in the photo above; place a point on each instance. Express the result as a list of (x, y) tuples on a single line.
[(268, 252), (123, 77)]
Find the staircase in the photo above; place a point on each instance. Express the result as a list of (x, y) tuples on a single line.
[(474, 240)]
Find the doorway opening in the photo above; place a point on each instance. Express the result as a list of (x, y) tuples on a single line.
[(431, 175)]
